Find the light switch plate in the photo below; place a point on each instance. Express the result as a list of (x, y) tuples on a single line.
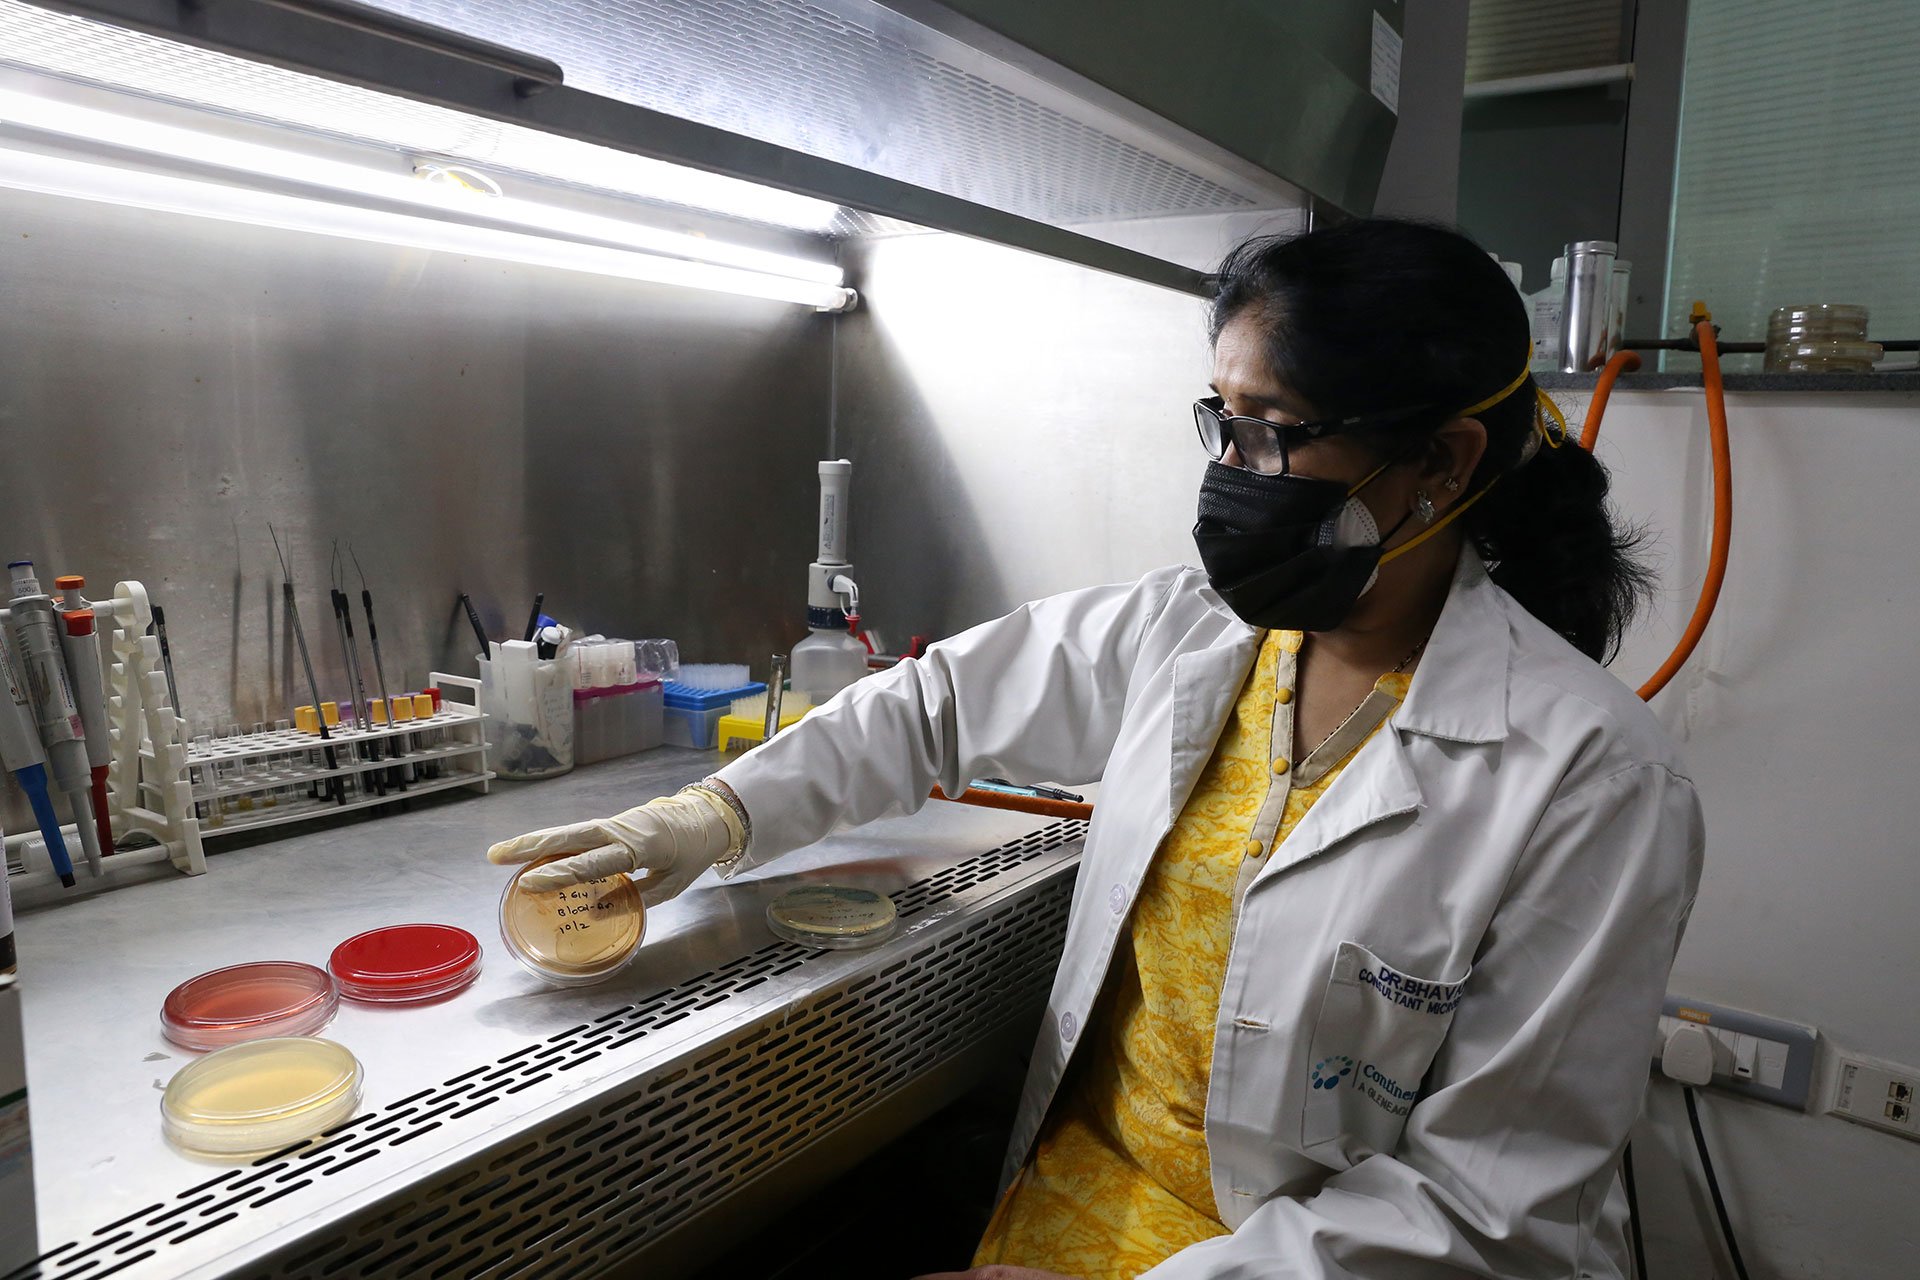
[(1757, 1057)]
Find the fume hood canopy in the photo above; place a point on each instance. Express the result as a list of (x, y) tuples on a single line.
[(1064, 128)]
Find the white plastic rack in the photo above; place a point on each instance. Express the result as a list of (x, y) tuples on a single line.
[(150, 809), (277, 776)]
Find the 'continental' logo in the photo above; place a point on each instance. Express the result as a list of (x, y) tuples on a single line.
[(1328, 1073)]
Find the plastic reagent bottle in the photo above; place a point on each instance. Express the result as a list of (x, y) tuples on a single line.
[(36, 644), (830, 659)]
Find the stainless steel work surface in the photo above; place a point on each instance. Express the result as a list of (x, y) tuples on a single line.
[(511, 1060)]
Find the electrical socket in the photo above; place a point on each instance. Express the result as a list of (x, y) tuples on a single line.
[(1753, 1055), (1880, 1095)]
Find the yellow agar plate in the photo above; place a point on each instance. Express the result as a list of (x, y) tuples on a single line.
[(832, 916), (249, 1099), (581, 934)]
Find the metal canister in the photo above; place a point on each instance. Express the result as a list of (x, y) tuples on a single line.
[(1586, 324)]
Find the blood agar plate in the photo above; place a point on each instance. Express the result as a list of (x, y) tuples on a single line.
[(404, 963), (249, 1002), (832, 916), (250, 1099), (576, 936)]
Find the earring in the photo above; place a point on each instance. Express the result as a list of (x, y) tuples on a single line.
[(1453, 484), (1424, 505)]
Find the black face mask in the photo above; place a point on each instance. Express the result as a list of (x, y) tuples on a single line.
[(1265, 543)]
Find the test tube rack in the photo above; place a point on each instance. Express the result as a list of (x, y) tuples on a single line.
[(278, 776), (148, 795)]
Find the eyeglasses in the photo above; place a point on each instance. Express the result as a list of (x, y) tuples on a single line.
[(1263, 446)]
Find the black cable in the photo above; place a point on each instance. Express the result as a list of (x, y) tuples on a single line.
[(1633, 1214), (1713, 1183)]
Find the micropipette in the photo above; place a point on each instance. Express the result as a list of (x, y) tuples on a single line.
[(36, 639), (334, 788), (379, 670), (80, 640), (26, 759)]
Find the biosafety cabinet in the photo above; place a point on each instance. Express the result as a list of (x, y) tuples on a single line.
[(576, 294)]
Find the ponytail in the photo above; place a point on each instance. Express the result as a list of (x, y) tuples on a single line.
[(1551, 539)]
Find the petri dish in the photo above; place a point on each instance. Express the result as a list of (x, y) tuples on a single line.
[(405, 963), (831, 916), (576, 936), (250, 1099), (249, 1002)]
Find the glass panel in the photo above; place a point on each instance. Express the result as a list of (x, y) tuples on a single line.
[(1798, 177)]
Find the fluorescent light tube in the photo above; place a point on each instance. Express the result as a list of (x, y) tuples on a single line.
[(171, 142), (140, 189)]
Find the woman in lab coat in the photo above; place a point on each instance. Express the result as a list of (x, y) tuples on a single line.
[(1376, 911)]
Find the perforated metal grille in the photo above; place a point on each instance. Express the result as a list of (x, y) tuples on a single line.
[(618, 1170), (836, 79)]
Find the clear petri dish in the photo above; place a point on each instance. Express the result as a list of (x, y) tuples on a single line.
[(576, 936), (249, 1002), (250, 1099), (405, 963), (835, 917)]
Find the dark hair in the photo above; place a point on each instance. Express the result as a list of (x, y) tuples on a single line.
[(1376, 314)]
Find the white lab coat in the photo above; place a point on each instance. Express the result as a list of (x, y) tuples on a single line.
[(1465, 942)]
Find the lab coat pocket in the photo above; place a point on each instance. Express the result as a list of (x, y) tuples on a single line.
[(1376, 1035)]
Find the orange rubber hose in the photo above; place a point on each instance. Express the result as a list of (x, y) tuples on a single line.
[(1019, 804), (1722, 505), (1622, 362), (1722, 485)]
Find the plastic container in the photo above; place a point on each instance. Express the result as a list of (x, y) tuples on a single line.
[(249, 1002), (251, 1099), (833, 917), (576, 936), (826, 662), (746, 724), (1830, 357), (1545, 311), (693, 715), (529, 704), (618, 720), (406, 963)]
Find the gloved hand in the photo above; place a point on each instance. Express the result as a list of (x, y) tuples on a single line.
[(673, 839)]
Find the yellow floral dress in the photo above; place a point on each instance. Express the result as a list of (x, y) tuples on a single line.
[(1119, 1179)]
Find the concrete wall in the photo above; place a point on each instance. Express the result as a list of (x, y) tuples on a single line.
[(1797, 716)]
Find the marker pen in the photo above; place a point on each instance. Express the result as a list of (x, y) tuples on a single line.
[(80, 641), (21, 752), (36, 646)]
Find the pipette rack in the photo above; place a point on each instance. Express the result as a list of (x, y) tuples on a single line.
[(146, 778), (278, 776)]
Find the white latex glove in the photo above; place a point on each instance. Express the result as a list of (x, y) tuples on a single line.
[(673, 839)]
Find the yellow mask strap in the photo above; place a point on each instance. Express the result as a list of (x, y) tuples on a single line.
[(1548, 421), (1459, 508)]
